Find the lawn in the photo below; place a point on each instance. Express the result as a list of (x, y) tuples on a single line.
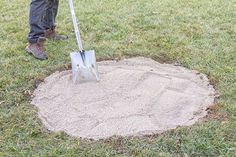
[(198, 34)]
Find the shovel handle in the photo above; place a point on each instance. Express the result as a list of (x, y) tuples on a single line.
[(77, 33)]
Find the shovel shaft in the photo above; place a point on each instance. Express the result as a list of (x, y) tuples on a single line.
[(77, 33)]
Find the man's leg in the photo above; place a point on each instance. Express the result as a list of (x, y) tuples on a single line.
[(36, 34), (49, 20), (37, 8), (50, 14), (55, 10)]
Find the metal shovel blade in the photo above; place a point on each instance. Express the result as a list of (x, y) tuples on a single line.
[(84, 67)]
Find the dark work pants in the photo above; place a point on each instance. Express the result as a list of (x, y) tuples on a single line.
[(41, 17)]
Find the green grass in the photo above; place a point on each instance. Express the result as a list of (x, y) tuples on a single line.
[(199, 34)]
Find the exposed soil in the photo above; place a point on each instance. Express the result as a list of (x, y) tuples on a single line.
[(135, 96)]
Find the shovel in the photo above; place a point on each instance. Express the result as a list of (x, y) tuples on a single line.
[(84, 67)]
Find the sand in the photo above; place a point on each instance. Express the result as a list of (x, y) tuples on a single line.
[(135, 97)]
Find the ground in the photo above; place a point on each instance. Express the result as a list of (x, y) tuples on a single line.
[(200, 35)]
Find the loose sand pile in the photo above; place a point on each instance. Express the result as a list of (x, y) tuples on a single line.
[(135, 96)]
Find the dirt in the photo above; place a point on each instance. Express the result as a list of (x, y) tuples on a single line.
[(135, 96)]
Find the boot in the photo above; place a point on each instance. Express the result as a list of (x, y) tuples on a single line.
[(37, 49), (52, 34)]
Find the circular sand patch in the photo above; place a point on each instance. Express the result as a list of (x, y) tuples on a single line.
[(135, 96)]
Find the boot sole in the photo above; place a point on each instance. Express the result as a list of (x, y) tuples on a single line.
[(58, 39)]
